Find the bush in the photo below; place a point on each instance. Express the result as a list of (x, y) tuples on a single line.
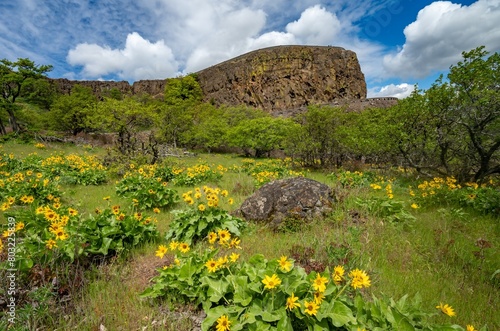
[(203, 216)]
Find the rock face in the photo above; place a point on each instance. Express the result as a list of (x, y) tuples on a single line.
[(276, 79), (155, 88), (297, 197), (285, 77)]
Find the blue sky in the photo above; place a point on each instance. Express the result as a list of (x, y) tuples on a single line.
[(398, 42)]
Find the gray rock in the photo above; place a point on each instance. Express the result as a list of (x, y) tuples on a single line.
[(298, 198)]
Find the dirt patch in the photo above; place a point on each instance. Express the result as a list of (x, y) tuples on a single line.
[(142, 269), (183, 317)]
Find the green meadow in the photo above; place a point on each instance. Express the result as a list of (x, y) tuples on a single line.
[(430, 240)]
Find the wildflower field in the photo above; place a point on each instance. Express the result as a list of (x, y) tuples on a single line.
[(147, 247)]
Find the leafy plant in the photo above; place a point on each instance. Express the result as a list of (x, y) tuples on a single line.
[(203, 216), (266, 171), (112, 231), (352, 179), (147, 189), (197, 174), (262, 294), (391, 210)]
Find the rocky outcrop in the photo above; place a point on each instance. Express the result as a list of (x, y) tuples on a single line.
[(285, 77), (276, 79), (355, 105), (298, 198), (100, 88)]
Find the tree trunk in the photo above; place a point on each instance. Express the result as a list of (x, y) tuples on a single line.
[(2, 128), (12, 119)]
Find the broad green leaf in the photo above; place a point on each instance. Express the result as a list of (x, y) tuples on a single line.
[(109, 230), (285, 323), (340, 314), (216, 288), (401, 322), (270, 317)]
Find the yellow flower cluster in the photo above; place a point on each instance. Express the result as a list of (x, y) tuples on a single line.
[(57, 220), (428, 188), (223, 237), (40, 146), (359, 279), (388, 191), (199, 170), (73, 161), (265, 176), (222, 262), (206, 197), (173, 246)]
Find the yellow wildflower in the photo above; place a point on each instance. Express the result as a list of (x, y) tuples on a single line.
[(162, 250), (173, 245), (212, 237), (338, 274), (223, 323), (183, 247), (291, 302), (359, 279), (212, 265), (271, 282), (446, 309), (319, 284), (51, 243), (234, 257), (311, 307), (285, 264)]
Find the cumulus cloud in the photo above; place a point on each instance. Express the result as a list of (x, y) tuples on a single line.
[(231, 33), (240, 31), (399, 91), (316, 26), (139, 59), (441, 32)]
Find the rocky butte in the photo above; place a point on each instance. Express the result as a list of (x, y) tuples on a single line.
[(281, 80)]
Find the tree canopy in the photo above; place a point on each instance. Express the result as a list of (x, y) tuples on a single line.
[(13, 77)]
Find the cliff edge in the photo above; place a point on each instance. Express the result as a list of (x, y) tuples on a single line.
[(285, 77)]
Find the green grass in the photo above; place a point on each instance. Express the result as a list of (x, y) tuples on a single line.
[(433, 256)]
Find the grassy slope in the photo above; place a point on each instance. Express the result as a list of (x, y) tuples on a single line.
[(432, 257)]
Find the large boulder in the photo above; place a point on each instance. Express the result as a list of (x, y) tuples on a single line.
[(298, 198)]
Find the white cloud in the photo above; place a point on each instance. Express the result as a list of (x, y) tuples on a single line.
[(441, 32), (229, 36), (139, 59), (272, 38), (316, 26), (400, 91), (240, 31)]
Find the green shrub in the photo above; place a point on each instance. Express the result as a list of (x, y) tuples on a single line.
[(203, 216)]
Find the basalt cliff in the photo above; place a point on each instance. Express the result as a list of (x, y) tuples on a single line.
[(280, 80)]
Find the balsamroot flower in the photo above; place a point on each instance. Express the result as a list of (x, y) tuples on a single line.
[(446, 309), (359, 279), (162, 250), (285, 264), (319, 284), (291, 302), (271, 282)]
